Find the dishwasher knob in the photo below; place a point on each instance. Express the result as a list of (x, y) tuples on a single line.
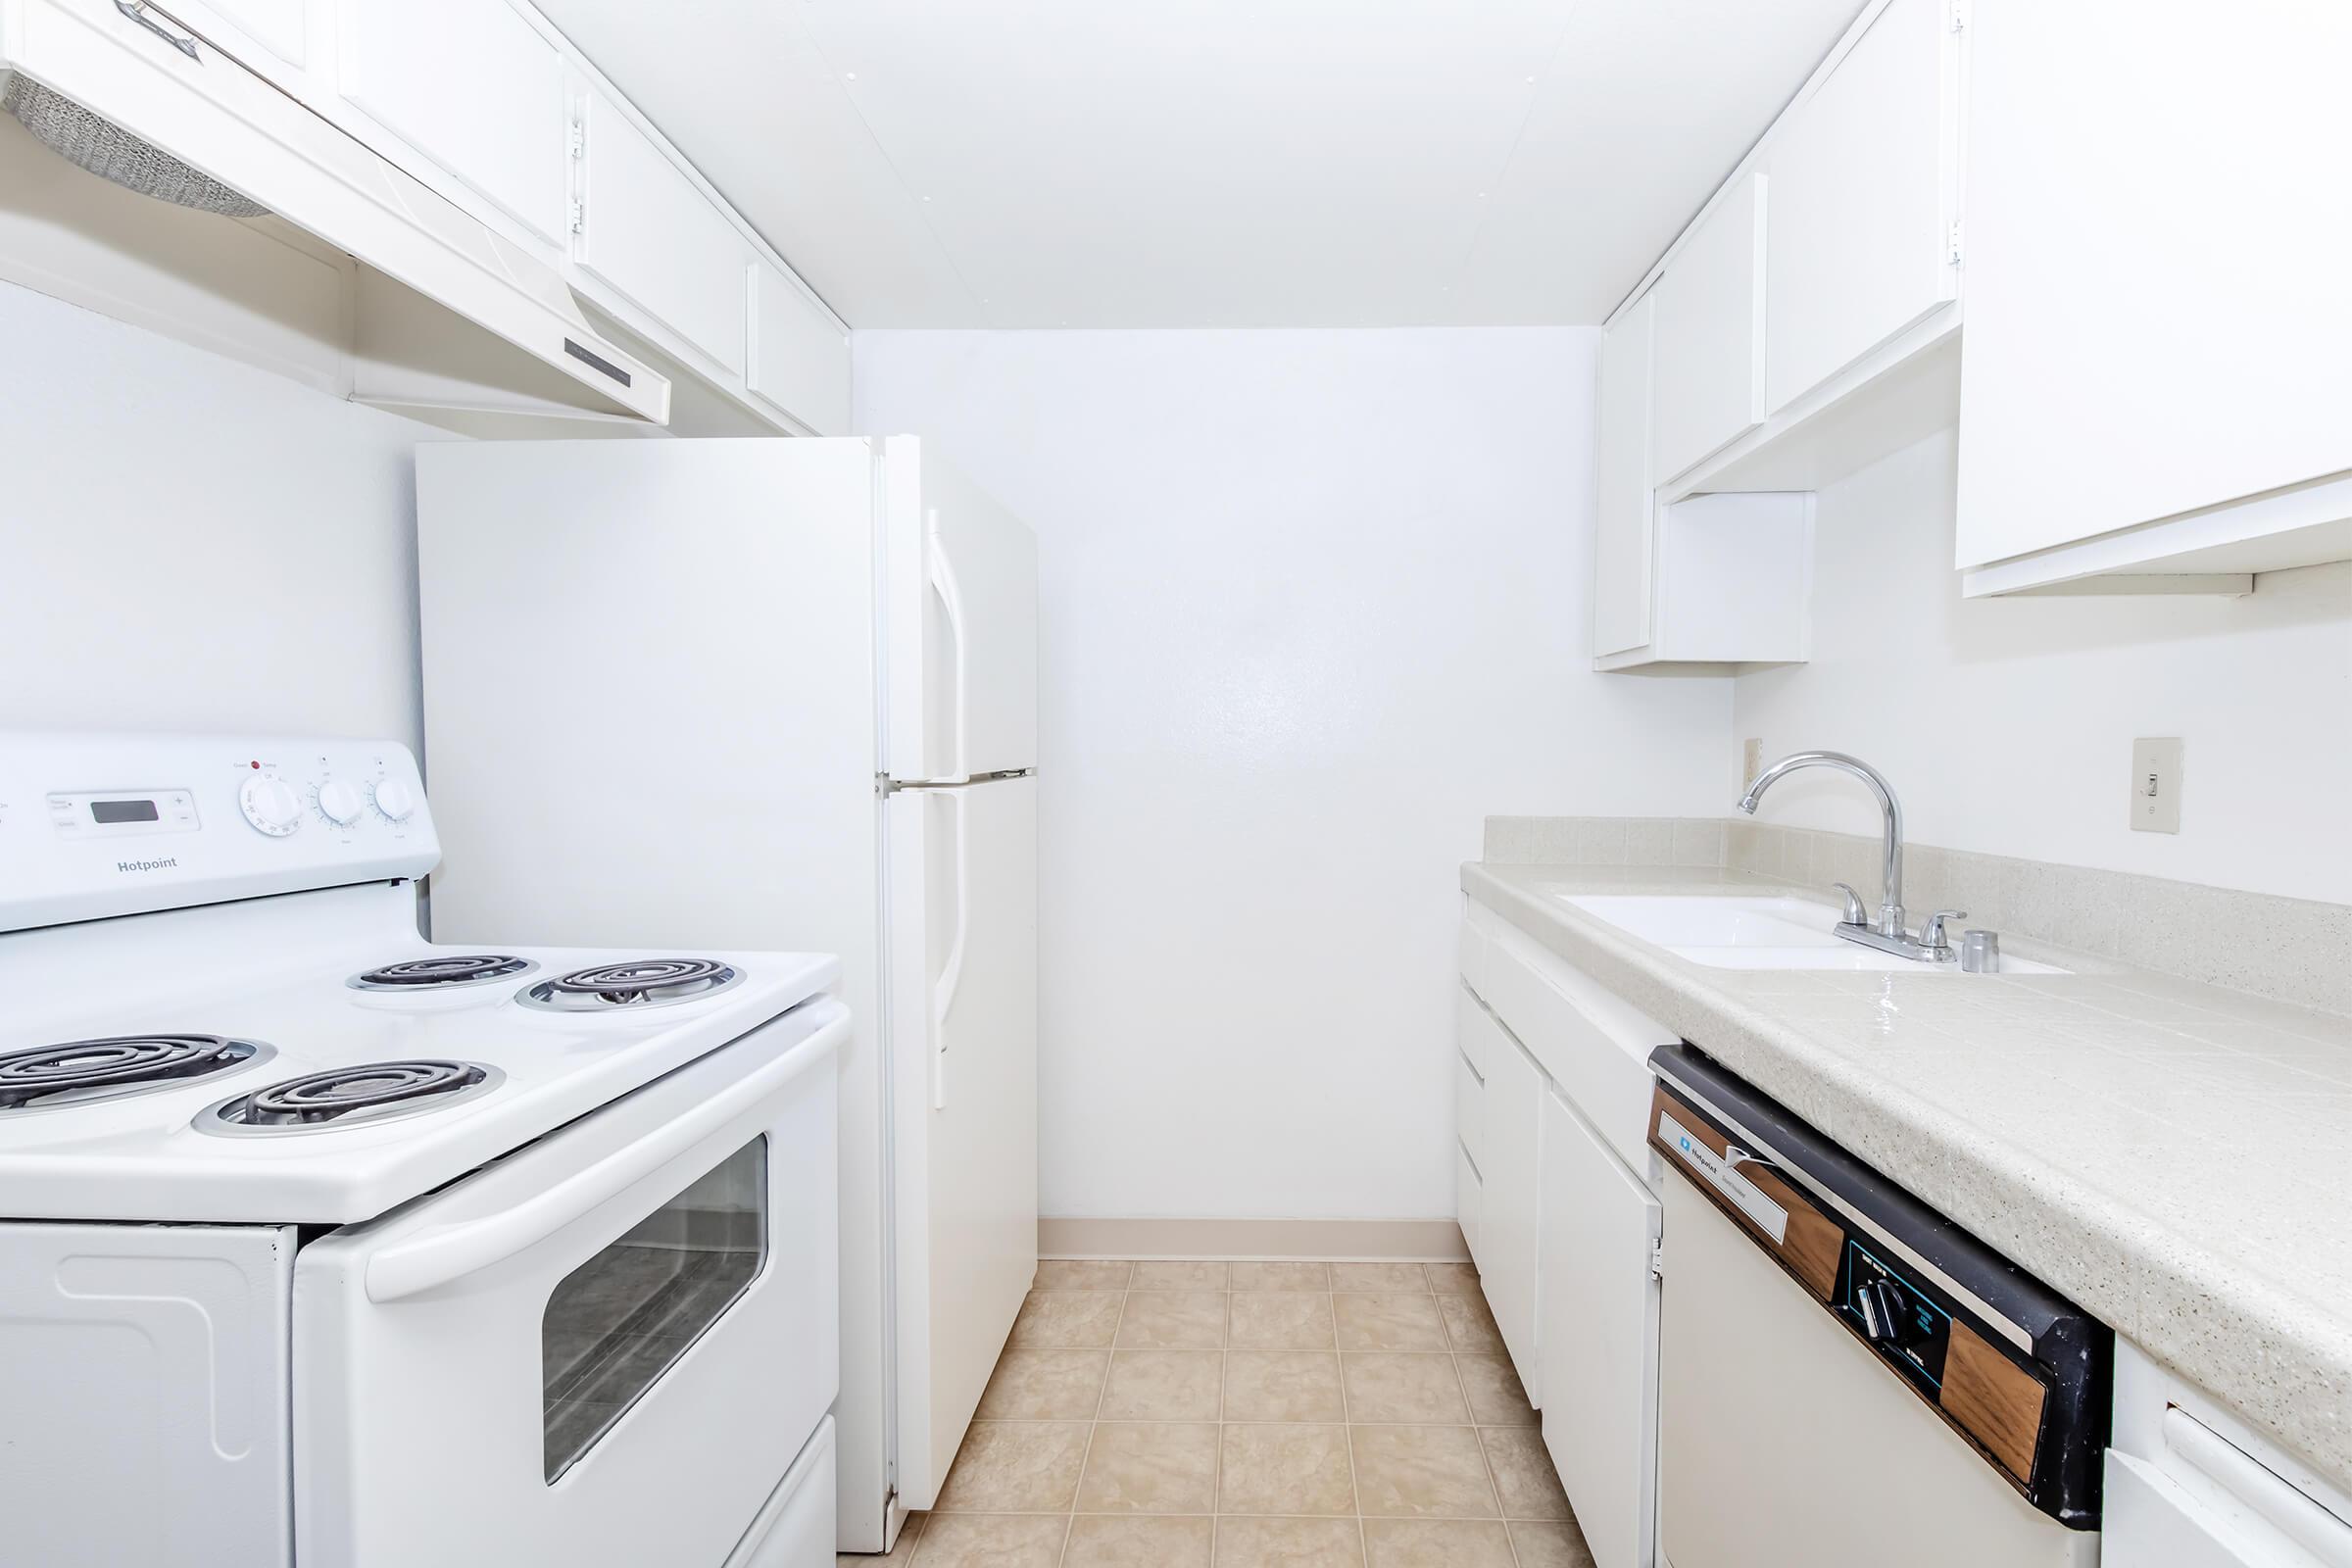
[(1898, 1319)]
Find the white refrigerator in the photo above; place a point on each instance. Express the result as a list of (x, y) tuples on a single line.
[(825, 653)]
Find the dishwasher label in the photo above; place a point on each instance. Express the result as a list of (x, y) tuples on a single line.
[(1724, 1177)]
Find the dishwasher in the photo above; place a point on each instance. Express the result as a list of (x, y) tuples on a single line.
[(1845, 1377)]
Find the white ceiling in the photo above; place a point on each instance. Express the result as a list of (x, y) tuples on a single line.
[(1212, 162)]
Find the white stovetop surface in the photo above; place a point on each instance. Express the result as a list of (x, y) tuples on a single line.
[(2167, 1154), (272, 970)]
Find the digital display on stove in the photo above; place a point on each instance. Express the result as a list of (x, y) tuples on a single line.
[(123, 811)]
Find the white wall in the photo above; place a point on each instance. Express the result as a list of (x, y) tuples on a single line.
[(2006, 725), (194, 544), (1314, 603)]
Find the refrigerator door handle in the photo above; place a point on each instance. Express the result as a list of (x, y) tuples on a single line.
[(951, 972), (950, 599)]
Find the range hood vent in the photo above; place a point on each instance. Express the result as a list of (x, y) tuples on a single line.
[(90, 140), (102, 83)]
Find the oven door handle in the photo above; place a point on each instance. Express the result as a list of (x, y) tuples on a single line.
[(441, 1254)]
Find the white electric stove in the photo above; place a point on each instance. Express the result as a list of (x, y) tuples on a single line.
[(323, 1244)]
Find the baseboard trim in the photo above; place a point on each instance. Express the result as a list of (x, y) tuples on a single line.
[(1371, 1241)]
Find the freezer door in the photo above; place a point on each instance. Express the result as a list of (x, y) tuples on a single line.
[(963, 1049), (962, 624)]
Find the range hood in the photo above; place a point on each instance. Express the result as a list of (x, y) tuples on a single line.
[(149, 104)]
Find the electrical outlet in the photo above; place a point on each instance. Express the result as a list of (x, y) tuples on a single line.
[(1751, 760), (2156, 785)]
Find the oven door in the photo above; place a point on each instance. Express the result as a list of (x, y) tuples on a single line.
[(605, 1349)]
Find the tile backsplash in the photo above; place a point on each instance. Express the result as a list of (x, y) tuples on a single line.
[(2296, 951)]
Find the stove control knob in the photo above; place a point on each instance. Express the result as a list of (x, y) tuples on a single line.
[(339, 802), (270, 805), (394, 798)]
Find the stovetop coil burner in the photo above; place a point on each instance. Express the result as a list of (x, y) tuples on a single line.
[(81, 1072), (441, 973), (367, 1095), (638, 983)]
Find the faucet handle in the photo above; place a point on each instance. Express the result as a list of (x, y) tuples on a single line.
[(1856, 912), (1931, 935)]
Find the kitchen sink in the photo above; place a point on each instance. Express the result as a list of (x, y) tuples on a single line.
[(1748, 932)]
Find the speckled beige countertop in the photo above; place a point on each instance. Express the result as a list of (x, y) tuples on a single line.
[(2171, 1155)]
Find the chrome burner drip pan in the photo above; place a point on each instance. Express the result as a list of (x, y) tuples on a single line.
[(633, 986), (84, 1072), (346, 1099)]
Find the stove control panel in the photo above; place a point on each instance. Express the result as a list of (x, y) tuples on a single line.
[(87, 832)]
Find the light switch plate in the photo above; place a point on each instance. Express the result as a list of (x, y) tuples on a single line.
[(2156, 785)]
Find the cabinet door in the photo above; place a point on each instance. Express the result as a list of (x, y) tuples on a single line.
[(473, 86), (1513, 1199), (649, 234), (2156, 236), (1708, 352), (1864, 177), (800, 360), (1624, 502), (279, 27), (1600, 1333)]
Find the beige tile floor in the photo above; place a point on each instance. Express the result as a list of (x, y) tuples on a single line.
[(1250, 1415)]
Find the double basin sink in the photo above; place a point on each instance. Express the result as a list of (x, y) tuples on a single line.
[(1731, 931)]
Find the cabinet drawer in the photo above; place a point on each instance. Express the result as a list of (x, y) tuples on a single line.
[(1469, 1105), (1587, 1040), (1470, 954), (1475, 1034)]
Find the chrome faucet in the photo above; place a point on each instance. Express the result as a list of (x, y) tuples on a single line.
[(1885, 931)]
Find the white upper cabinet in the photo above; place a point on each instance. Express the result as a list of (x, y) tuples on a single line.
[(473, 86), (1708, 348), (649, 234), (800, 358), (2159, 322), (1624, 504), (282, 28), (1865, 185)]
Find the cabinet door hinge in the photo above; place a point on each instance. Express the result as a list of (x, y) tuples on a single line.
[(1657, 1260), (1951, 247), (579, 216)]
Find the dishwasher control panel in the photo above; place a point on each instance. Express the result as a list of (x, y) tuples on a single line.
[(1896, 1318)]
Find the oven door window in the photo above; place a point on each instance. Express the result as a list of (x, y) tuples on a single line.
[(621, 1319)]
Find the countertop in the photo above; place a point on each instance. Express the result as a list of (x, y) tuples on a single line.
[(2171, 1155)]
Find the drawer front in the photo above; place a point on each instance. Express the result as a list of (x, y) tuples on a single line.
[(1469, 1200), (1470, 956), (1602, 1067), (1469, 1108)]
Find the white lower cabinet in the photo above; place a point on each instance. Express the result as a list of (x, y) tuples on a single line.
[(1597, 1323), (1511, 1189)]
